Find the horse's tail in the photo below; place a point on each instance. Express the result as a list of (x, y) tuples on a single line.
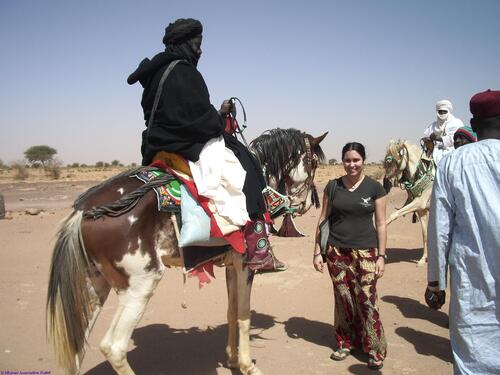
[(69, 311)]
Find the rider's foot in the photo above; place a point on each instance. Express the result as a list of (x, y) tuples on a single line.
[(269, 264), (259, 254)]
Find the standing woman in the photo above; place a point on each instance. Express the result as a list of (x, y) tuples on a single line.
[(355, 257)]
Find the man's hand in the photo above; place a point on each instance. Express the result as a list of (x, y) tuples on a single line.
[(225, 108), (434, 297), (435, 137)]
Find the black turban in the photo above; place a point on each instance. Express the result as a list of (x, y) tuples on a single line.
[(181, 31)]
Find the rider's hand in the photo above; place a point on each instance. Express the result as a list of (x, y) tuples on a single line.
[(225, 108), (435, 137), (318, 261)]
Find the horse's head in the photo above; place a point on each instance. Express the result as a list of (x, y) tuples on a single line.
[(300, 180), (395, 162), (290, 158)]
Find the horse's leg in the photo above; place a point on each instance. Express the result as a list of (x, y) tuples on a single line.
[(423, 216), (409, 208), (232, 317), (132, 302), (244, 280)]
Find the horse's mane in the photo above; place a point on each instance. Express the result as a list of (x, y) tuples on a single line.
[(282, 150), (395, 146)]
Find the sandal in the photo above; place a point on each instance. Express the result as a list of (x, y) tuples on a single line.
[(340, 354), (373, 365)]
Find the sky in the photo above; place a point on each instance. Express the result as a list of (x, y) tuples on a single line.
[(365, 71)]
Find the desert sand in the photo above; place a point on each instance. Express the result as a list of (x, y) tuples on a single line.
[(292, 317)]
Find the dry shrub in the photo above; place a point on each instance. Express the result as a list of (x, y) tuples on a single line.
[(53, 169), (20, 170)]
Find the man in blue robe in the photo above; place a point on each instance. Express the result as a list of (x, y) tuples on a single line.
[(464, 237)]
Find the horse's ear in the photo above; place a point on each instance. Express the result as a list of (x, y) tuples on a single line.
[(318, 140)]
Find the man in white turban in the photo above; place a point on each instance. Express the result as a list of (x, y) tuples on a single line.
[(441, 131)]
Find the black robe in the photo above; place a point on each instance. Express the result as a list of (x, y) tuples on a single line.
[(185, 120)]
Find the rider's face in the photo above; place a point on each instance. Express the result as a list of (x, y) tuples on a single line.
[(196, 45), (353, 163)]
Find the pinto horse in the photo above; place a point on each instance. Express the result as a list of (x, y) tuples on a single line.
[(407, 166), (115, 237)]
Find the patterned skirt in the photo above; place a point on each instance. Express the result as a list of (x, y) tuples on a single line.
[(357, 321)]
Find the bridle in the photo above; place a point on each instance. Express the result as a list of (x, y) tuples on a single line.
[(311, 162), (400, 168), (415, 184)]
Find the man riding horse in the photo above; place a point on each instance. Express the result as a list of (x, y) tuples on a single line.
[(438, 137), (186, 124)]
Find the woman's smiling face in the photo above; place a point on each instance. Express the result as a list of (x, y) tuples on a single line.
[(353, 163)]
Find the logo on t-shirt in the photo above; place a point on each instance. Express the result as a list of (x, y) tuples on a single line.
[(366, 202)]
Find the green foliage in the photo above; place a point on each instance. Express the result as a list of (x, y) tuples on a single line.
[(99, 164), (332, 162), (133, 165), (39, 154), (115, 163), (2, 165), (75, 165)]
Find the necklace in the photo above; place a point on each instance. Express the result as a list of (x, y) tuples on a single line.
[(355, 185)]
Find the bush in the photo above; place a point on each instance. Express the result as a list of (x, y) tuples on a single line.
[(133, 165), (75, 165), (53, 169), (99, 164), (20, 170), (115, 163)]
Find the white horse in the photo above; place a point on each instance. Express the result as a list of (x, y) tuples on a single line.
[(407, 166), (116, 238)]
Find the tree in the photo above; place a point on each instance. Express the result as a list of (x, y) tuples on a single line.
[(332, 162), (115, 163), (39, 154)]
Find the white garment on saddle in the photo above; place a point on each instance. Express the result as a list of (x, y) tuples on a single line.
[(219, 176), (445, 130)]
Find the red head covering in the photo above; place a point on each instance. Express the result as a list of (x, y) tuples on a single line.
[(485, 109)]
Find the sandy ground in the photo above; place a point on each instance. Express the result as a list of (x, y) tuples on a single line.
[(292, 311)]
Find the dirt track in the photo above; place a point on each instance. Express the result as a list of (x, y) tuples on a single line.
[(293, 310)]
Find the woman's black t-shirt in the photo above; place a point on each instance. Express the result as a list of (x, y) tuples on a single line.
[(351, 218)]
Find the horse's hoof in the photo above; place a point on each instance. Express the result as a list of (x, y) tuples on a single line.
[(254, 370), (233, 363), (421, 262)]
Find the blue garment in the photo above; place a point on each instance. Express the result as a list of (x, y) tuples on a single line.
[(464, 234)]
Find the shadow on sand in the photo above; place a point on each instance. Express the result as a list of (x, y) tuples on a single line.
[(413, 309), (427, 343), (161, 349), (398, 255), (318, 333)]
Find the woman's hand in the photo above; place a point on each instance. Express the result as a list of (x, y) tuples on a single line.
[(318, 262), (379, 267)]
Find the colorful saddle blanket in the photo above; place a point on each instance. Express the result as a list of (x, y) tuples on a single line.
[(168, 195)]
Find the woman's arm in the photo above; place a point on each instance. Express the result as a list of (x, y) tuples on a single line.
[(325, 212), (381, 227)]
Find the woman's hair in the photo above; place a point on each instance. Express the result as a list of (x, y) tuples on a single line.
[(354, 146)]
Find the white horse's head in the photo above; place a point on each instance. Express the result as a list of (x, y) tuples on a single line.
[(290, 159), (400, 157)]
